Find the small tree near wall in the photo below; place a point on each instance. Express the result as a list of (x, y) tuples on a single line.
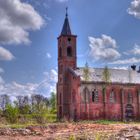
[(86, 72)]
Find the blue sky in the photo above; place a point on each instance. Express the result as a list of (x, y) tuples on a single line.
[(108, 34)]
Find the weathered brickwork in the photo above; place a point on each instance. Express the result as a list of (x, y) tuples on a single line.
[(78, 99)]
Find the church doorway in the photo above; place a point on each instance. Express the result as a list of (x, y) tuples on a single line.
[(129, 112)]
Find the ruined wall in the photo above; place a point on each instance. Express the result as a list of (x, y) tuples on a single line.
[(105, 107)]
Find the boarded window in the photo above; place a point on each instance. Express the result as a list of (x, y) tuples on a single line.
[(95, 96), (85, 95), (112, 97), (130, 98)]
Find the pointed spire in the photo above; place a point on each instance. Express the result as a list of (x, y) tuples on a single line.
[(66, 12), (66, 27)]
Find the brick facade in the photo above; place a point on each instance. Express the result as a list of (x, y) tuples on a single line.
[(83, 100)]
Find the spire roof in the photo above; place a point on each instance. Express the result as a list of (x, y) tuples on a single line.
[(66, 27)]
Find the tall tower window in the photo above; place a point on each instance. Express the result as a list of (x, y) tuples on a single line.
[(69, 51), (60, 52), (69, 39)]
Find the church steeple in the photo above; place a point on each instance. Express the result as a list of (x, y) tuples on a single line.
[(66, 26), (67, 60)]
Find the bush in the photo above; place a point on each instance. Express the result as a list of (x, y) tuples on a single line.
[(11, 114), (40, 118)]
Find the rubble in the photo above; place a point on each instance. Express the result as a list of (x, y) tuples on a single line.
[(18, 132), (131, 133), (74, 131)]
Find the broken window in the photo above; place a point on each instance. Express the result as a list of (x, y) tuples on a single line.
[(95, 95)]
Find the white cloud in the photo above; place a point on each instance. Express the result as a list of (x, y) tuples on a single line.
[(17, 18), (104, 48), (45, 87), (48, 55), (135, 50), (134, 8), (127, 61), (5, 54), (121, 67)]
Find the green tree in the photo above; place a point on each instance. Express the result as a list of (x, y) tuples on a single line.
[(106, 78), (11, 113), (86, 72), (106, 75), (53, 102)]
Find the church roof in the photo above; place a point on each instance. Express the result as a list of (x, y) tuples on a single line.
[(66, 26), (116, 75)]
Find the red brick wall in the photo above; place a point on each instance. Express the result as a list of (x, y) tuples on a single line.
[(110, 111)]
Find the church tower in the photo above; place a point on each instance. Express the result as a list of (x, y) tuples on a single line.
[(66, 59)]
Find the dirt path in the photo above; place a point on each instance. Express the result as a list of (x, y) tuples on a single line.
[(79, 131)]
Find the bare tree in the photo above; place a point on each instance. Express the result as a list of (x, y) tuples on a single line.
[(4, 100)]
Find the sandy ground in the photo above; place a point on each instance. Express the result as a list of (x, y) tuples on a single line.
[(68, 130)]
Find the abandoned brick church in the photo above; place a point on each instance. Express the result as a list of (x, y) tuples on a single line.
[(84, 93)]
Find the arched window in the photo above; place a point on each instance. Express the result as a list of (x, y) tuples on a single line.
[(69, 39), (95, 96), (112, 97), (60, 52), (85, 95), (69, 51), (130, 98)]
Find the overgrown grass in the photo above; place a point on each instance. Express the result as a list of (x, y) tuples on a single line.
[(107, 122), (104, 122), (28, 120)]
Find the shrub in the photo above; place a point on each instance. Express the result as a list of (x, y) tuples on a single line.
[(40, 118), (11, 113)]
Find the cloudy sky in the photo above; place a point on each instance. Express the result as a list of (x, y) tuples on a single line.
[(108, 34)]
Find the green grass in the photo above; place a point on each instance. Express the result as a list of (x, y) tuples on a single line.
[(52, 120), (105, 122)]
